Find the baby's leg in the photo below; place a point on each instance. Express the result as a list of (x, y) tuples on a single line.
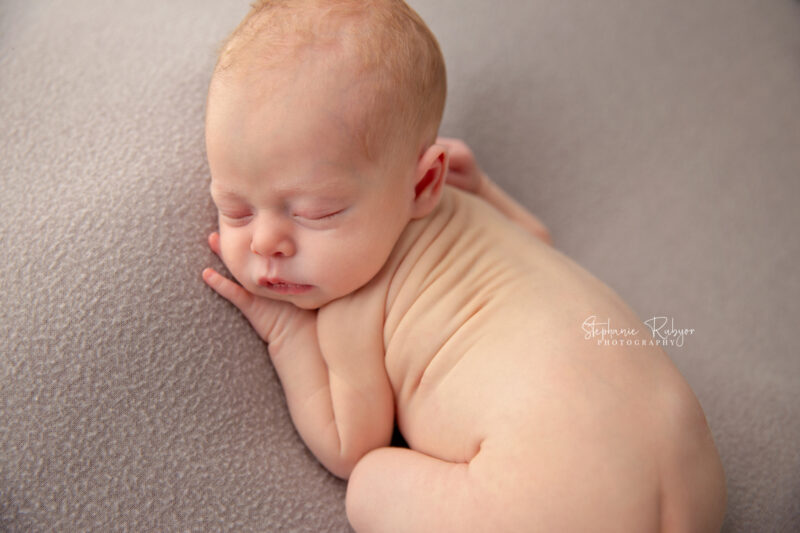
[(396, 490), (399, 490)]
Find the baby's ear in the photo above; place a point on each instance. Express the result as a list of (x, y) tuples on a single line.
[(429, 179)]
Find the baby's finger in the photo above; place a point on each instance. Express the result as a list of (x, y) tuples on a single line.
[(229, 290), (213, 242)]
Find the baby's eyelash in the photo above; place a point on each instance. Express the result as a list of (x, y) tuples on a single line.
[(330, 215), (235, 216), (320, 217)]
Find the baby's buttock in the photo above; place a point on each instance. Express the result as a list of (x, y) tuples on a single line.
[(557, 422)]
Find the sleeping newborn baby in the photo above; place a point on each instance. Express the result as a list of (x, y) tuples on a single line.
[(389, 292)]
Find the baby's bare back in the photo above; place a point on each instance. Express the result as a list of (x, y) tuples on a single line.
[(490, 366)]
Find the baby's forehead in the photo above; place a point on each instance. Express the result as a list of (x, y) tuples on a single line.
[(289, 166), (315, 78), (360, 97), (229, 187)]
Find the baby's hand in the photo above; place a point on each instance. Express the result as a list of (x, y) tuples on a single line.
[(463, 171), (270, 318)]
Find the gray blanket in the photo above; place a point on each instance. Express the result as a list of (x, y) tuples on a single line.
[(659, 140)]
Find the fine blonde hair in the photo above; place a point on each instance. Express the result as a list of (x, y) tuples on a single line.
[(390, 53)]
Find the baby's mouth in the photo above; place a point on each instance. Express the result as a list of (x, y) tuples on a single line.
[(283, 287)]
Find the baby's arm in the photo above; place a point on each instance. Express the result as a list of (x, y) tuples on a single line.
[(341, 404), (464, 173)]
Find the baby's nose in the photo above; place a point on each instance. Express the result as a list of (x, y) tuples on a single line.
[(272, 237)]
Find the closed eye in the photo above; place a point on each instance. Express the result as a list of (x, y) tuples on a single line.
[(331, 215), (236, 218), (321, 216)]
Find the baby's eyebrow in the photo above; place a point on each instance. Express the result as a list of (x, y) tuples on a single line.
[(310, 188), (314, 189), (217, 192)]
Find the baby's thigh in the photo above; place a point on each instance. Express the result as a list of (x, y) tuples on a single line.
[(399, 490), (545, 483)]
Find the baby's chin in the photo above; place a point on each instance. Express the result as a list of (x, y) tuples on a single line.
[(311, 300), (310, 305)]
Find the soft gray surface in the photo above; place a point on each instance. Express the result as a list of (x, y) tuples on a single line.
[(658, 140)]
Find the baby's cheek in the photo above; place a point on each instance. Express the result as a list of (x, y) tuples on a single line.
[(362, 260), (230, 244)]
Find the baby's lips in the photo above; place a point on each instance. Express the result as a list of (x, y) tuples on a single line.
[(270, 282), (279, 286)]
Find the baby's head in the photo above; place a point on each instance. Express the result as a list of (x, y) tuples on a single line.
[(320, 130)]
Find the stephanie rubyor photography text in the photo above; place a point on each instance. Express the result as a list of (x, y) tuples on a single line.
[(662, 333)]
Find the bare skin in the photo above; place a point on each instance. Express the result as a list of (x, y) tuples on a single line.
[(465, 328)]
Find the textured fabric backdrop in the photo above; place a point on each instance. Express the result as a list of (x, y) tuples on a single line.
[(658, 140)]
